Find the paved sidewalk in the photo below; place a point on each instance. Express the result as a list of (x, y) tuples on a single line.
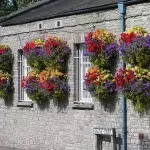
[(7, 148)]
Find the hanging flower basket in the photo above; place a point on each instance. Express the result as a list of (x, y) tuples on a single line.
[(135, 47), (47, 58), (48, 52), (35, 53), (49, 84), (34, 91), (100, 83), (57, 53), (6, 59), (101, 47), (135, 83)]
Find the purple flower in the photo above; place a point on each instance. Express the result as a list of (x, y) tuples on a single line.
[(38, 52), (110, 50), (60, 60)]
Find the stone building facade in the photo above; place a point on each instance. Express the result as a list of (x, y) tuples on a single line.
[(70, 126)]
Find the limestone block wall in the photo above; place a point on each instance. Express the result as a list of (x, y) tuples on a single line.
[(62, 127)]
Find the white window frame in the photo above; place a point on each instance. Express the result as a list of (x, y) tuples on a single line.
[(81, 65), (23, 70)]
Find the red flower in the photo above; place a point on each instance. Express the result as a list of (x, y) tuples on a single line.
[(2, 51), (128, 37), (50, 44), (48, 86), (23, 82), (93, 46), (122, 77), (29, 46), (92, 76)]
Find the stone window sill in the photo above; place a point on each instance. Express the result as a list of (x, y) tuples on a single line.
[(25, 104), (78, 105)]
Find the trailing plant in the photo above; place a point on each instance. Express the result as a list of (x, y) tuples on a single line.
[(135, 83), (6, 59), (135, 47), (101, 47), (100, 83)]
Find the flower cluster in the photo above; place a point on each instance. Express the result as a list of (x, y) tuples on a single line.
[(6, 59), (48, 52), (101, 46), (6, 63), (135, 83), (100, 83), (123, 77), (49, 83), (57, 52), (135, 46), (4, 84), (31, 85), (47, 58), (3, 49)]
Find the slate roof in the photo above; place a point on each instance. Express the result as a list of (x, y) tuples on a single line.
[(47, 9)]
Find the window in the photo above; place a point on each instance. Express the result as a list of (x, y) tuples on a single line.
[(81, 65), (23, 69)]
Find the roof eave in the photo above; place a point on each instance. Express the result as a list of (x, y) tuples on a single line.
[(64, 14)]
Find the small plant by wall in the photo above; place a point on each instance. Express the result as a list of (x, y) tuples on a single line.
[(6, 64)]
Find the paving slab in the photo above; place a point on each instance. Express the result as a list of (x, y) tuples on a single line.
[(7, 148)]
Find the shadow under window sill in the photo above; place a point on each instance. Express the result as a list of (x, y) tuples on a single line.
[(79, 105), (25, 104)]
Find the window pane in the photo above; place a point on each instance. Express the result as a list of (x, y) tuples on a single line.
[(23, 69), (81, 64)]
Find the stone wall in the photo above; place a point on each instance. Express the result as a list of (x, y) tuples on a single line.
[(62, 127)]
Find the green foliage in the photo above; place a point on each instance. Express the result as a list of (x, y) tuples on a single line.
[(6, 7), (100, 61), (9, 6), (25, 3), (36, 63), (6, 62), (39, 95), (139, 102)]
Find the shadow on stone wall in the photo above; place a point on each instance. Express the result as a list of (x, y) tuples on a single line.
[(109, 104), (10, 85), (44, 104), (61, 104), (105, 143)]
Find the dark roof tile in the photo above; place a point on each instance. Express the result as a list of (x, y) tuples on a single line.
[(54, 8)]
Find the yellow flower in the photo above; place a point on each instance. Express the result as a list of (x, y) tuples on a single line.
[(5, 47), (49, 73), (137, 30), (39, 42), (104, 35)]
